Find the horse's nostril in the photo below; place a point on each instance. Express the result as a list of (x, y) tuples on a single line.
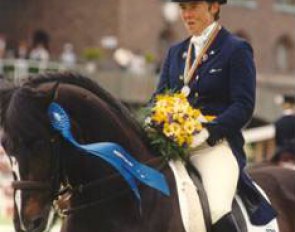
[(35, 223)]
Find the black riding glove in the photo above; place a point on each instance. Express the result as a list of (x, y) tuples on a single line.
[(216, 133)]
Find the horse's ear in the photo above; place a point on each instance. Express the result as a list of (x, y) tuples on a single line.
[(51, 94), (45, 96), (54, 91)]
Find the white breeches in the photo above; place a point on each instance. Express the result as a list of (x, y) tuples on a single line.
[(220, 172)]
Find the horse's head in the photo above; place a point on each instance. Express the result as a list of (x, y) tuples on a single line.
[(31, 146), (42, 160)]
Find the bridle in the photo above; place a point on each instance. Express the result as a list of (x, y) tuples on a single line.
[(59, 174), (54, 185)]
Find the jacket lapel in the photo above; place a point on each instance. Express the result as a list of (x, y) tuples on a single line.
[(210, 54), (183, 54), (215, 46)]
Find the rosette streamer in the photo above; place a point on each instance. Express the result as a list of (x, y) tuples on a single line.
[(114, 154)]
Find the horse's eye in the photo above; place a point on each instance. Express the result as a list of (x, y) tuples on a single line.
[(4, 143), (31, 143), (39, 143)]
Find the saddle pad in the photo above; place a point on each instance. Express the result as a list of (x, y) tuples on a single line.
[(190, 207), (191, 210)]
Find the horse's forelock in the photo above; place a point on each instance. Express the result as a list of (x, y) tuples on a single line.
[(24, 116), (5, 97)]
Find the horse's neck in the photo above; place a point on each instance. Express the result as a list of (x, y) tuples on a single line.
[(123, 213), (103, 211), (96, 121)]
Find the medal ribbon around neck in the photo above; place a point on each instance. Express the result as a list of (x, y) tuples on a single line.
[(189, 69)]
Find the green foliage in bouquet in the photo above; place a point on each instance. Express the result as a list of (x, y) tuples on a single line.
[(166, 147)]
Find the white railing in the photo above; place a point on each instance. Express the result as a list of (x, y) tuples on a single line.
[(259, 134), (16, 69), (285, 8)]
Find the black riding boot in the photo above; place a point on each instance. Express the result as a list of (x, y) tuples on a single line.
[(226, 224)]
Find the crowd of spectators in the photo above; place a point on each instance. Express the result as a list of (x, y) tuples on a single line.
[(135, 62)]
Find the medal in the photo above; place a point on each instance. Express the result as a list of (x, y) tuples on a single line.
[(205, 57), (186, 90)]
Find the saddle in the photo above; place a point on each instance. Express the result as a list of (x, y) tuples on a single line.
[(194, 206)]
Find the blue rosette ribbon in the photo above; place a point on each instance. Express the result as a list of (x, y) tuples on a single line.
[(114, 154)]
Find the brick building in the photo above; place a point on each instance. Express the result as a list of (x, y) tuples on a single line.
[(141, 25)]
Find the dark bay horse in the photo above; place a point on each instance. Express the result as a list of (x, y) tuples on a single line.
[(101, 200), (43, 161)]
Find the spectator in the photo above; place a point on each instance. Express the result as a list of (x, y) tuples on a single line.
[(40, 51), (137, 65), (68, 56), (22, 50), (285, 133)]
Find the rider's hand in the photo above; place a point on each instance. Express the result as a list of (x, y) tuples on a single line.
[(216, 134), (200, 138)]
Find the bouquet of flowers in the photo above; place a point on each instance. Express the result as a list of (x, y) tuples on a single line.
[(172, 124)]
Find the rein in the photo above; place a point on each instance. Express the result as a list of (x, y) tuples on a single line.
[(80, 189), (30, 185)]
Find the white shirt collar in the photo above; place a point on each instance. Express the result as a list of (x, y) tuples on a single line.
[(200, 40), (288, 112)]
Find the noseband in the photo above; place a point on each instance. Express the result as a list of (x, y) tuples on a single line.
[(53, 186), (31, 185)]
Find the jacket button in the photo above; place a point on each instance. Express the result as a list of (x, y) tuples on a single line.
[(196, 94)]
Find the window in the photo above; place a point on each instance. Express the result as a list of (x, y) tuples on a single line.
[(284, 54), (286, 2), (286, 6), (244, 3)]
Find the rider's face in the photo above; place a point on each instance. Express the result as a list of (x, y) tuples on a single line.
[(198, 15)]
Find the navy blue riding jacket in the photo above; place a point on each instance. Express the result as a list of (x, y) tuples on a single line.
[(223, 85)]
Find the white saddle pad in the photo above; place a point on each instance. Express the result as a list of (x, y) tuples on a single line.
[(190, 207)]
